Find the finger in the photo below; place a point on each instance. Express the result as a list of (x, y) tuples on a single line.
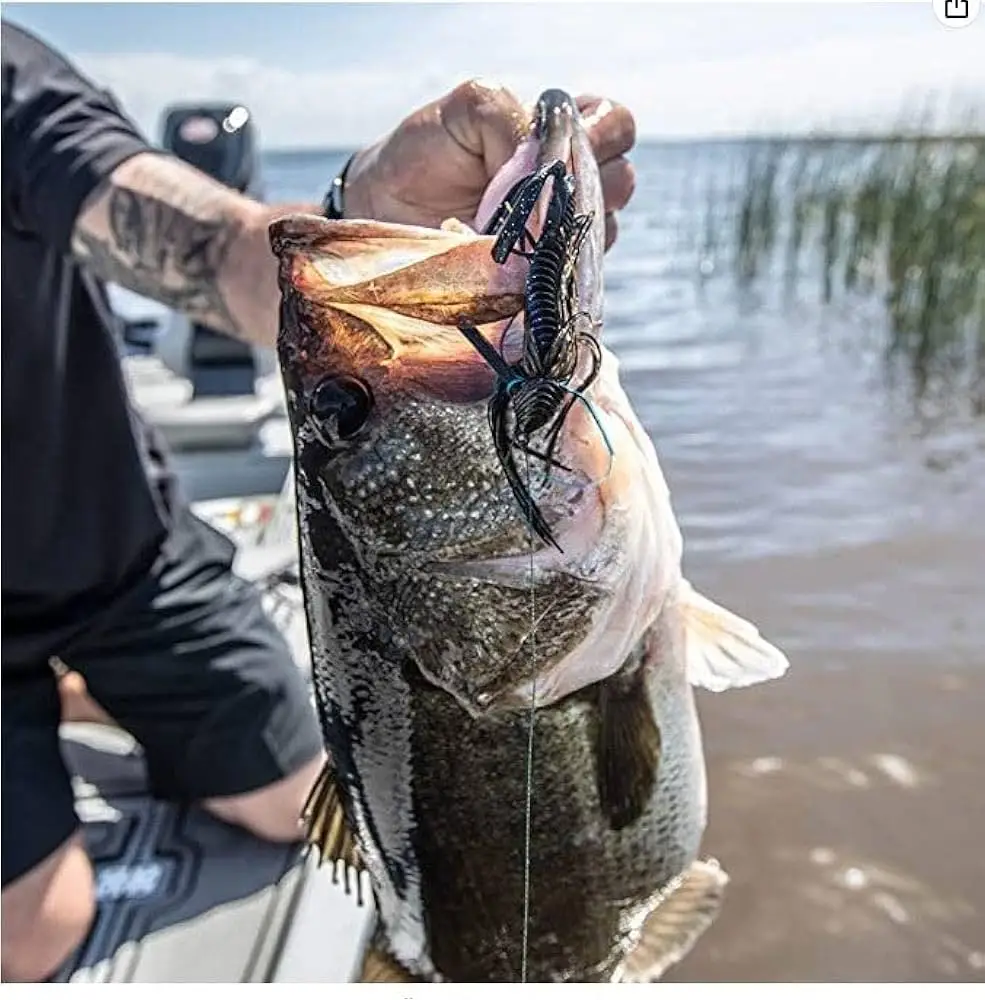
[(588, 104), (611, 229), (611, 127), (618, 183), (486, 120)]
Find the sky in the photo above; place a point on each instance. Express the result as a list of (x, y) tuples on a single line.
[(318, 75)]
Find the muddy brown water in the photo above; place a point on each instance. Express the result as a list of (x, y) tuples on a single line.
[(847, 800)]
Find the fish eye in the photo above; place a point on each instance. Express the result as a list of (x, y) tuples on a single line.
[(343, 399)]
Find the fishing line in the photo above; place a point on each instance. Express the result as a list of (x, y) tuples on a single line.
[(527, 836)]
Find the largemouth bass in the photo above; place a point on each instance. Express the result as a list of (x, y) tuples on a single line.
[(441, 629)]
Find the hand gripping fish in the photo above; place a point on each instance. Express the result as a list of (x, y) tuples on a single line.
[(436, 617)]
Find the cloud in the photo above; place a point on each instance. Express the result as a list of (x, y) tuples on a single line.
[(293, 108), (702, 89)]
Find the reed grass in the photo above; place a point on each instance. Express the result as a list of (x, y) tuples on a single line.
[(897, 219)]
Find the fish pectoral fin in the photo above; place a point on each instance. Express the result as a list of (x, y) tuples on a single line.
[(672, 929), (379, 967), (628, 750), (723, 650), (327, 831)]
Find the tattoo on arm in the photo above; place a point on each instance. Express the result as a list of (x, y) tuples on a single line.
[(167, 237)]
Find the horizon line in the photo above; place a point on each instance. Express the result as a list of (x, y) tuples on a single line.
[(763, 138)]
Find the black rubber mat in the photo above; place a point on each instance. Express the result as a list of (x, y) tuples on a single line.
[(181, 897)]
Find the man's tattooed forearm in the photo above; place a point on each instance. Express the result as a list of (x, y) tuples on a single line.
[(159, 250)]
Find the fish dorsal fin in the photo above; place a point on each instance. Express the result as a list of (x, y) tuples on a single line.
[(687, 910), (723, 650), (328, 833)]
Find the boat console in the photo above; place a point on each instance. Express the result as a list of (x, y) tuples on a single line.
[(221, 141)]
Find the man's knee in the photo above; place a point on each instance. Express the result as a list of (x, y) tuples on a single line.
[(274, 812), (46, 913)]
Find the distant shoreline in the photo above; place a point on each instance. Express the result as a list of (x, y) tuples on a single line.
[(816, 138)]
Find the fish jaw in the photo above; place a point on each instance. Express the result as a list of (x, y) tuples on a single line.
[(589, 200), (560, 131), (437, 275), (383, 302), (557, 132)]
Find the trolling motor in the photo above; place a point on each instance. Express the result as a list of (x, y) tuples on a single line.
[(221, 141)]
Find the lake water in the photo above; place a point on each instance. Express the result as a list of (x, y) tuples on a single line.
[(845, 799)]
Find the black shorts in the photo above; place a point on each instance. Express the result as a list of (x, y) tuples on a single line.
[(190, 664)]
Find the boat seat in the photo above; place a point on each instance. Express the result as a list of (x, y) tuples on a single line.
[(210, 422), (191, 422), (215, 364)]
